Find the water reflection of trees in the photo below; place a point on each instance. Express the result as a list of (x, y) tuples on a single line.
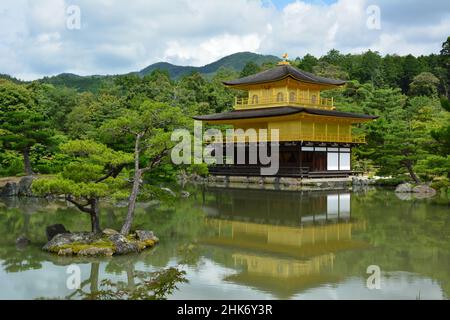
[(410, 235), (139, 285)]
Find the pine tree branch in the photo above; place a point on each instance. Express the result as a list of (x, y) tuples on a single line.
[(80, 206)]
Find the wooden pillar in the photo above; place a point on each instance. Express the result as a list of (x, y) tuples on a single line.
[(338, 133), (301, 162), (313, 161)]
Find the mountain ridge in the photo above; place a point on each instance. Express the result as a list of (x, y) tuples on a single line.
[(235, 61)]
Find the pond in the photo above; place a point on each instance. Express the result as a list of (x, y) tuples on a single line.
[(248, 244)]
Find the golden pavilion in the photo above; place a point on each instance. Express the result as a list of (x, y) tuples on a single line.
[(315, 140)]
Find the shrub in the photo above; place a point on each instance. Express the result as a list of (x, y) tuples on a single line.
[(11, 163)]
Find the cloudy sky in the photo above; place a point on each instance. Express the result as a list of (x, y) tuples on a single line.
[(47, 37)]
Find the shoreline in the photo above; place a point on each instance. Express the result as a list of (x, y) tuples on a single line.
[(287, 184)]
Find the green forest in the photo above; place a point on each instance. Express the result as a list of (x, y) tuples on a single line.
[(92, 134)]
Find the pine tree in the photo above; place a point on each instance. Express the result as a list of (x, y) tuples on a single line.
[(22, 122)]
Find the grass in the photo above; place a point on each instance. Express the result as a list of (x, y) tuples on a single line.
[(78, 246)]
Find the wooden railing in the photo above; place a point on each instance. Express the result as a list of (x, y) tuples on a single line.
[(305, 137), (275, 101), (255, 170)]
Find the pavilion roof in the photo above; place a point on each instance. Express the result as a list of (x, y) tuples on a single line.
[(277, 112), (282, 71)]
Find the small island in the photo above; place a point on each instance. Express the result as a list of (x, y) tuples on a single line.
[(107, 243)]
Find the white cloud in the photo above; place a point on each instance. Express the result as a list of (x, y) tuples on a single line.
[(199, 54), (46, 15), (121, 36)]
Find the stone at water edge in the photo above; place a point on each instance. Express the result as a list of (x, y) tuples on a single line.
[(143, 235), (67, 239), (24, 187), (122, 244), (9, 190), (404, 187), (423, 191), (357, 181), (55, 229), (22, 242)]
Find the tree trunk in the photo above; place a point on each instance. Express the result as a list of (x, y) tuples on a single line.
[(412, 173), (95, 216), (92, 208), (93, 279), (27, 162), (130, 276), (126, 228)]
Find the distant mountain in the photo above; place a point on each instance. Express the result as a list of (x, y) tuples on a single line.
[(80, 83), (175, 71), (9, 78), (235, 61)]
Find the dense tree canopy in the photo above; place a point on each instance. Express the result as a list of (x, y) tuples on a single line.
[(23, 123)]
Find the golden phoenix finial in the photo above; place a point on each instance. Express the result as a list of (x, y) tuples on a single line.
[(284, 61)]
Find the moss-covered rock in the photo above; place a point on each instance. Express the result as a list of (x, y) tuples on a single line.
[(123, 245), (90, 244)]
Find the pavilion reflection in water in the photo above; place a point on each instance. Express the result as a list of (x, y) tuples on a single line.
[(281, 242)]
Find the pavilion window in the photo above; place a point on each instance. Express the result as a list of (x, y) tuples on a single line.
[(313, 99), (255, 99), (280, 97), (344, 203), (332, 204), (292, 96), (344, 161), (333, 161)]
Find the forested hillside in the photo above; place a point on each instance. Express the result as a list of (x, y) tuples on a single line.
[(95, 83)]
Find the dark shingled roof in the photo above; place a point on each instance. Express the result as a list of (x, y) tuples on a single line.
[(278, 111), (281, 72)]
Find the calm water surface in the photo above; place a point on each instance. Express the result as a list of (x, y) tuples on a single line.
[(249, 244)]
